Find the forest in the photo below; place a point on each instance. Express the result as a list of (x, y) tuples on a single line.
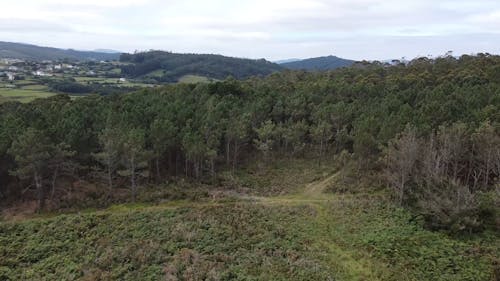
[(428, 129), (173, 66), (371, 172)]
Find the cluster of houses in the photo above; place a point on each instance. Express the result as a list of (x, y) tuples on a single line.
[(13, 69), (19, 69)]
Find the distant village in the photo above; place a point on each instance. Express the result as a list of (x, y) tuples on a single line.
[(18, 69)]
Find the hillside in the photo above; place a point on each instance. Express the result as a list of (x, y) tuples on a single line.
[(319, 63), (373, 172), (305, 235), (37, 53), (170, 67)]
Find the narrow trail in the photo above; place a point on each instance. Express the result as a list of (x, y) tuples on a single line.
[(346, 262), (312, 193), (316, 189)]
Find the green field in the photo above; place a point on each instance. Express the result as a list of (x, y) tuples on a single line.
[(82, 79), (36, 87), (23, 95), (114, 81), (305, 234), (23, 91), (26, 82), (28, 90), (155, 73), (193, 79)]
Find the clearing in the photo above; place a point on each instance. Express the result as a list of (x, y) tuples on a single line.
[(305, 235)]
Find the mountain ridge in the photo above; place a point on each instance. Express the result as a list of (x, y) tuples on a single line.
[(318, 63), (25, 51)]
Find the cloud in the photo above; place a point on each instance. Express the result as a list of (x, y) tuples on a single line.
[(17, 25), (97, 3), (260, 28)]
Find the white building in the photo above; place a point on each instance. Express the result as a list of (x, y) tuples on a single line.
[(11, 76), (40, 73)]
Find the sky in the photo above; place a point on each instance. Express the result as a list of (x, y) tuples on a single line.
[(271, 29)]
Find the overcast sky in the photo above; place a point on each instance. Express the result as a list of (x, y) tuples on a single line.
[(272, 29)]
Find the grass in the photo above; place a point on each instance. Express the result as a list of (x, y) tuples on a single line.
[(29, 90), (23, 91), (114, 81), (193, 79), (300, 233), (36, 87), (155, 73), (25, 82), (23, 95), (116, 70), (81, 79)]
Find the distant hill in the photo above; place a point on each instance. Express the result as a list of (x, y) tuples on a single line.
[(33, 52), (286, 61), (319, 63), (170, 67), (107, 51)]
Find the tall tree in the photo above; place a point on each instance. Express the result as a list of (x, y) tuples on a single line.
[(401, 159), (265, 138), (163, 137), (135, 156), (60, 162), (109, 156), (236, 135), (487, 147), (32, 151)]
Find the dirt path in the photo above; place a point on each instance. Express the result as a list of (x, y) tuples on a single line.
[(316, 189), (347, 262)]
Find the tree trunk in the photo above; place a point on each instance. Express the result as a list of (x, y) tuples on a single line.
[(401, 190), (212, 168), (132, 178), (54, 179), (170, 163), (487, 170), (228, 158), (110, 176), (197, 169), (235, 156), (320, 152), (40, 193), (176, 163), (158, 176)]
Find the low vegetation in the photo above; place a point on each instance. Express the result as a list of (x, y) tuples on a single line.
[(302, 235)]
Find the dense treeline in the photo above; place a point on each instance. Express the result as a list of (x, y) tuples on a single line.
[(174, 66), (433, 123), (71, 86)]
